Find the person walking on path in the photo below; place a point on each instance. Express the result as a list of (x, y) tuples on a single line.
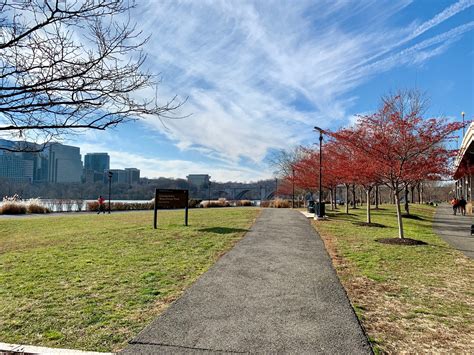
[(462, 205), (101, 202), (455, 204)]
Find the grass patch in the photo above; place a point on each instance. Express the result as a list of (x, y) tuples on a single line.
[(413, 299), (92, 282)]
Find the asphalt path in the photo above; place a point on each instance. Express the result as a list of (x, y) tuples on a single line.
[(275, 292), (456, 230)]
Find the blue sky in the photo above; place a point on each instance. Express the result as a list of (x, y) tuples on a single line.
[(259, 75)]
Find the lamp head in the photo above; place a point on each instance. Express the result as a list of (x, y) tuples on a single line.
[(463, 113)]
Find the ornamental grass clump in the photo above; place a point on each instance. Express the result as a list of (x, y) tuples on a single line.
[(121, 206), (244, 203), (278, 203), (13, 207), (222, 202), (35, 206)]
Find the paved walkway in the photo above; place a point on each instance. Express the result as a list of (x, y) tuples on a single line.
[(275, 291), (456, 230)]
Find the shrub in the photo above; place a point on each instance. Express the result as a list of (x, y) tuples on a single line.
[(13, 207), (244, 203), (278, 203), (35, 205), (222, 202), (121, 206), (37, 208), (92, 206), (265, 203), (192, 203)]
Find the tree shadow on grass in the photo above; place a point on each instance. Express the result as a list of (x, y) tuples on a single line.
[(413, 216), (342, 216), (365, 224), (401, 241), (222, 230)]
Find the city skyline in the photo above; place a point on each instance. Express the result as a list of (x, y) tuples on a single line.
[(258, 78), (59, 163)]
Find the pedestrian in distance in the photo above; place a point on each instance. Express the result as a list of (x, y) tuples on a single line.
[(455, 204), (462, 205), (101, 202)]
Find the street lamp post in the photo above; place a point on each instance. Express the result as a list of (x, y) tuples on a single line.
[(110, 186), (293, 180), (320, 215), (463, 127)]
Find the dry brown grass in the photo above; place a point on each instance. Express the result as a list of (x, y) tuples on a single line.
[(36, 208), (278, 203), (242, 203), (222, 202), (13, 207)]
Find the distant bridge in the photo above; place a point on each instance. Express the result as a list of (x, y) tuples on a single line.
[(240, 193)]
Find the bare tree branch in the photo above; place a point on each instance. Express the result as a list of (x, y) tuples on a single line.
[(72, 65)]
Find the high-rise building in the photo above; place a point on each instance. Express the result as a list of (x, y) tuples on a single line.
[(65, 164), (133, 175), (24, 166), (15, 168), (95, 164), (119, 176), (55, 163), (126, 176), (99, 162)]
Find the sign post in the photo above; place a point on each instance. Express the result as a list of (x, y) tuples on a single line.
[(170, 199)]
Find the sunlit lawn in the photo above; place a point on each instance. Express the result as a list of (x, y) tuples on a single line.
[(410, 299), (92, 282)]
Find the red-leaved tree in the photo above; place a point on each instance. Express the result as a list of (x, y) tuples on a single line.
[(398, 146)]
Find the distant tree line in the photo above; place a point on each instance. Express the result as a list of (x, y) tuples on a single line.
[(143, 191)]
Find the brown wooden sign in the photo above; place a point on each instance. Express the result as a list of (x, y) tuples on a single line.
[(170, 199)]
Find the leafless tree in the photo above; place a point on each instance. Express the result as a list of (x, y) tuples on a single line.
[(282, 161), (70, 65)]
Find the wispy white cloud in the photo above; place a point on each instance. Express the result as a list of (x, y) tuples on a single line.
[(259, 75), (174, 168), (248, 68), (442, 16)]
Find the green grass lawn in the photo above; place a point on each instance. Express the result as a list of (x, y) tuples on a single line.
[(413, 299), (92, 282)]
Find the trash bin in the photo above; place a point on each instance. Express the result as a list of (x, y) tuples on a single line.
[(322, 206), (310, 206)]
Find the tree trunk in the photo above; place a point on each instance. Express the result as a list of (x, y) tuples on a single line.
[(367, 191), (335, 198), (376, 197), (407, 207), (354, 203), (330, 199), (399, 215), (421, 193), (412, 193), (347, 198)]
